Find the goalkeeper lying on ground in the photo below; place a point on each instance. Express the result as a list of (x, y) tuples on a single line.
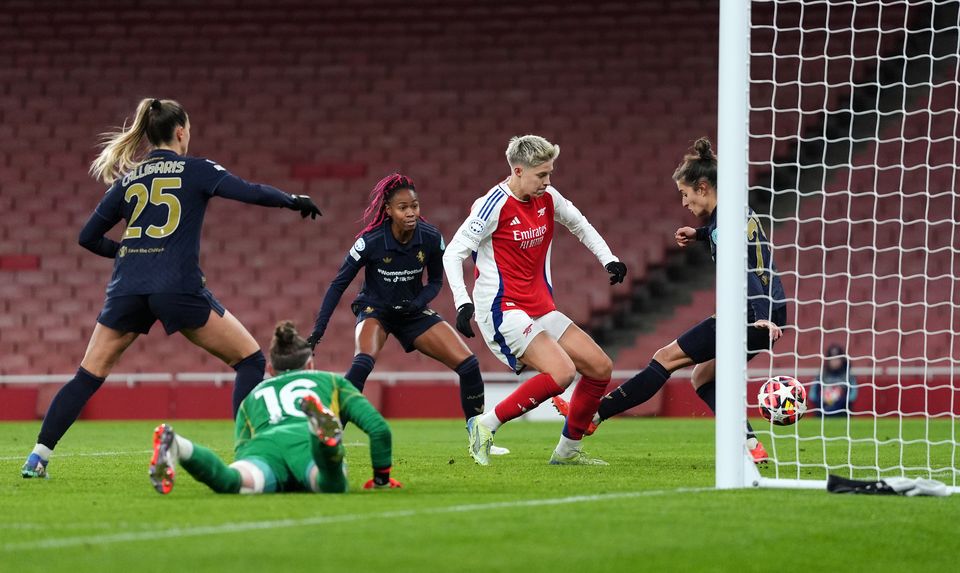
[(286, 438)]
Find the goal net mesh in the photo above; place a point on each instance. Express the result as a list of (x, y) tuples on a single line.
[(853, 167)]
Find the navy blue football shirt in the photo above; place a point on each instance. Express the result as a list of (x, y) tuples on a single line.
[(163, 200), (393, 271), (763, 282)]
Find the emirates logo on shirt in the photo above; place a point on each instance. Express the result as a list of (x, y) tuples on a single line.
[(531, 237)]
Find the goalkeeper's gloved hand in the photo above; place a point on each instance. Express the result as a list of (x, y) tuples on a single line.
[(464, 314), (382, 480), (313, 340), (306, 206), (617, 271)]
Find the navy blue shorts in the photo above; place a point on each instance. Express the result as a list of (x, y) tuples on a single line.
[(700, 342), (406, 328), (176, 311)]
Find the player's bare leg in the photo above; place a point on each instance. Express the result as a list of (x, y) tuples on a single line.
[(224, 337), (545, 355), (104, 350), (228, 340)]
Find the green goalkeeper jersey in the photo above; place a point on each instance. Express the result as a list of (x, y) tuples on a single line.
[(273, 406)]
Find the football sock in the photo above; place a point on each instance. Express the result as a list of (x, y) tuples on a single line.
[(184, 447), (249, 374), (471, 387), (491, 421), (583, 405), (329, 460), (42, 451), (361, 368), (526, 397), (635, 391), (65, 408), (567, 446), (209, 469), (708, 393)]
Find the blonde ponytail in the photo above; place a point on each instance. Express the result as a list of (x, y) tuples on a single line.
[(120, 148)]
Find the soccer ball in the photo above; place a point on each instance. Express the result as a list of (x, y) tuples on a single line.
[(783, 400)]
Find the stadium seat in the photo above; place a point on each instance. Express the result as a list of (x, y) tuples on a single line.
[(317, 108)]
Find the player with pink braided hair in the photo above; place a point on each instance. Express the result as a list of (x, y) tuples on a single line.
[(395, 246)]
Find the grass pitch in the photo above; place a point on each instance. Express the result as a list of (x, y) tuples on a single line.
[(651, 509)]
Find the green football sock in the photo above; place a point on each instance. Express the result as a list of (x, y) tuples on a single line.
[(329, 460), (209, 469)]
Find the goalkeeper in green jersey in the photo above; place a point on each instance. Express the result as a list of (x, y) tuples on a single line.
[(288, 432)]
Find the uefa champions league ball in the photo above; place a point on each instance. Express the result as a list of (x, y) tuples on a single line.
[(783, 400)]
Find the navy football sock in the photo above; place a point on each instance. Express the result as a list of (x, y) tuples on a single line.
[(634, 391), (471, 387), (249, 374), (361, 368), (66, 406), (708, 393)]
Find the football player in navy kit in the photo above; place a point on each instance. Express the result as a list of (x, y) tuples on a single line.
[(395, 247), (696, 179), (156, 273)]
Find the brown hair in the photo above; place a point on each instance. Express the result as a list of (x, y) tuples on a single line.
[(288, 350), (155, 118), (698, 165)]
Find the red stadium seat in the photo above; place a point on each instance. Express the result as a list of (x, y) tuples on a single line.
[(316, 107)]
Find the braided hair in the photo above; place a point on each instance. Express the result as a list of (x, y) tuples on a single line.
[(375, 213)]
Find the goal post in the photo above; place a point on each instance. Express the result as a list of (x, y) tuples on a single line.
[(732, 170), (839, 124)]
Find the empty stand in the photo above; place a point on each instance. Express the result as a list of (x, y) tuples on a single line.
[(325, 98)]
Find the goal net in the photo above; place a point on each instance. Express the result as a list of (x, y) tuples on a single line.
[(853, 143)]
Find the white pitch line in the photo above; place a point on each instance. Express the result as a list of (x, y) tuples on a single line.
[(83, 455), (239, 527), (57, 456)]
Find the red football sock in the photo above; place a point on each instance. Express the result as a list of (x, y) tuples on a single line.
[(527, 397), (583, 405)]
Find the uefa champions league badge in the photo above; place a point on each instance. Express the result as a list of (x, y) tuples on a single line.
[(357, 248), (476, 225), (713, 236)]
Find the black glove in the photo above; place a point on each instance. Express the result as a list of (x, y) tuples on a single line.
[(306, 206), (464, 314), (405, 308), (313, 340), (617, 271)]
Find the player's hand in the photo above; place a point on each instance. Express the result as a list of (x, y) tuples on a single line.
[(306, 206), (617, 271), (313, 340), (389, 484), (464, 314), (775, 332), (685, 236)]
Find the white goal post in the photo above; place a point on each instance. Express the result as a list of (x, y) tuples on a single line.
[(839, 124)]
